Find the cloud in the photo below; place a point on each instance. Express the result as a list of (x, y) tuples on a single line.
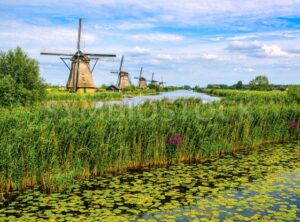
[(134, 26), (155, 37), (275, 51), (210, 56), (258, 49)]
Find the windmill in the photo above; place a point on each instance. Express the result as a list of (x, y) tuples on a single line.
[(161, 83), (123, 77), (152, 81), (80, 77), (142, 80)]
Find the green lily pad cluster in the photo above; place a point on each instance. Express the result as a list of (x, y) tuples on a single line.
[(261, 185)]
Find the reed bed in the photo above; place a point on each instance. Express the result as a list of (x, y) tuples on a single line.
[(64, 95), (54, 146), (248, 96)]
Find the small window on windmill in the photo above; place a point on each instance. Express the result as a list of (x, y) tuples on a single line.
[(83, 79)]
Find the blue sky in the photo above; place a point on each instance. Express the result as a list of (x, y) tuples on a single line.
[(193, 42)]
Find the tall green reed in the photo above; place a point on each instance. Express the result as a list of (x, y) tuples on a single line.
[(53, 146)]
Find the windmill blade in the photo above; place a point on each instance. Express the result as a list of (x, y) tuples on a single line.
[(141, 72), (114, 72), (56, 54), (100, 55), (79, 34), (152, 76), (121, 64), (136, 77), (120, 71)]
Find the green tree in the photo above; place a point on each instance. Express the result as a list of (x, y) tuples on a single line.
[(20, 80), (259, 83), (154, 87), (239, 85)]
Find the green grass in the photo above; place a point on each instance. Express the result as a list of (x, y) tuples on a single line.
[(61, 94), (247, 96), (53, 146)]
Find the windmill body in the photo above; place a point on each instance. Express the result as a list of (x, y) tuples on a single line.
[(124, 80), (85, 82), (161, 84), (123, 77), (142, 81), (80, 77), (153, 82)]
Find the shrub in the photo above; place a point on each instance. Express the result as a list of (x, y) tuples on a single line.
[(20, 81), (294, 93)]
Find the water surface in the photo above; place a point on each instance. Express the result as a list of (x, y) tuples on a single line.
[(259, 185), (138, 100)]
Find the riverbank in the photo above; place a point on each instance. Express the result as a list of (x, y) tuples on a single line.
[(54, 146), (61, 94)]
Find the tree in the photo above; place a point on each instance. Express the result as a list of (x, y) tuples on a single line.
[(259, 83), (154, 87), (20, 80), (239, 85)]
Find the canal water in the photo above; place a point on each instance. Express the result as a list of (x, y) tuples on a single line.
[(256, 185), (186, 94)]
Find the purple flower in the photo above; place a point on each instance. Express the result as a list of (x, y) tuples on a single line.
[(294, 124), (175, 140)]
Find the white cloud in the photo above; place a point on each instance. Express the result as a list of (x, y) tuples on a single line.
[(155, 37), (258, 49), (210, 56), (274, 50), (134, 26)]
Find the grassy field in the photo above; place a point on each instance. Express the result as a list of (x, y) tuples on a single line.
[(61, 94), (53, 146)]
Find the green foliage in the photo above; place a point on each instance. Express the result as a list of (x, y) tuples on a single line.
[(154, 87), (130, 88), (239, 85), (42, 142), (294, 93), (260, 83), (250, 97), (21, 73), (60, 94)]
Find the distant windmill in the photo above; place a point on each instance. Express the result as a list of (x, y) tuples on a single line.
[(123, 77), (152, 81), (142, 80), (80, 78), (162, 83)]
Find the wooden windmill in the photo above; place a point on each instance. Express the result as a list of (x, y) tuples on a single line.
[(152, 81), (80, 77), (142, 80), (161, 83), (123, 77)]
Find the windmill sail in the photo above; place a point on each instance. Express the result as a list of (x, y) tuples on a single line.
[(80, 77)]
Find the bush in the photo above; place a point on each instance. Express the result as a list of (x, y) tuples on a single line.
[(294, 93), (260, 83), (20, 81)]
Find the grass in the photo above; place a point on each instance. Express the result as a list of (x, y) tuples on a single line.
[(61, 94), (247, 96), (53, 146)]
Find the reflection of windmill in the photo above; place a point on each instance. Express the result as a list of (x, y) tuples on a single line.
[(142, 80), (80, 78), (162, 83), (123, 77)]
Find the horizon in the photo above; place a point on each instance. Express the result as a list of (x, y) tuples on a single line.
[(183, 42)]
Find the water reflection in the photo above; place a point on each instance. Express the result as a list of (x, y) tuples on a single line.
[(138, 100)]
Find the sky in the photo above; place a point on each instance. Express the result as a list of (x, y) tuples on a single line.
[(184, 42)]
